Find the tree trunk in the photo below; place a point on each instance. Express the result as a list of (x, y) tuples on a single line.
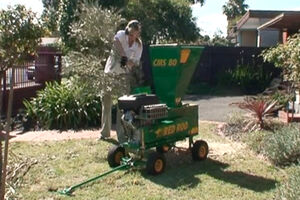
[(1, 94), (1, 127), (1, 166), (7, 131)]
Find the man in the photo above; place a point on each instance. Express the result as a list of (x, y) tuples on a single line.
[(125, 54)]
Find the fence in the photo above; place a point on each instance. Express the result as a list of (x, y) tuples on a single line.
[(31, 77), (216, 60)]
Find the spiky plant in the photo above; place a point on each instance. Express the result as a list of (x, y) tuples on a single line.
[(259, 108)]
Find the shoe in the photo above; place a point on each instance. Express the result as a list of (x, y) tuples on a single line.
[(103, 138)]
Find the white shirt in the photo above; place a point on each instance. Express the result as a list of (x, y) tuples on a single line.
[(133, 53)]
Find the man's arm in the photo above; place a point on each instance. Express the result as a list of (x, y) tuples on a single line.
[(135, 61), (119, 47)]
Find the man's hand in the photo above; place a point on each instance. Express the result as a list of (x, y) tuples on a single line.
[(124, 60)]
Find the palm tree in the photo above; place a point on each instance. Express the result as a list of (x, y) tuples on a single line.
[(197, 1), (234, 8)]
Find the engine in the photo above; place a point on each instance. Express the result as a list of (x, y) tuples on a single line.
[(139, 111)]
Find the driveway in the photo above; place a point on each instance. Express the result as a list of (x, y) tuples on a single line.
[(214, 108)]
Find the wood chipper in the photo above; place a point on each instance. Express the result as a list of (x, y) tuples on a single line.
[(157, 120), (160, 120)]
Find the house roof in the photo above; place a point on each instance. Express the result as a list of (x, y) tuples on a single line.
[(288, 20), (266, 14)]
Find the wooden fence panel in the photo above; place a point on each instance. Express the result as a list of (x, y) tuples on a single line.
[(216, 60)]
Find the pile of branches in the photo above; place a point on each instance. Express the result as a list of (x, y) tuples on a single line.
[(16, 170)]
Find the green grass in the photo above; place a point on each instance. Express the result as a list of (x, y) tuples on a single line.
[(236, 175)]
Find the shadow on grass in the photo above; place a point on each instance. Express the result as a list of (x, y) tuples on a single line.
[(188, 175), (256, 183)]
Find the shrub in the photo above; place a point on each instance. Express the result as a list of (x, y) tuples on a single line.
[(283, 146), (93, 35), (282, 97), (259, 108), (290, 190), (63, 106), (251, 79), (235, 129), (255, 141), (286, 56), (225, 78)]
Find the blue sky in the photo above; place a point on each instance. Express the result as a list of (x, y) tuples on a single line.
[(209, 17)]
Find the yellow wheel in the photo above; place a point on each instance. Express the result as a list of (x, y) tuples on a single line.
[(199, 150), (163, 149), (202, 152), (118, 157), (115, 155), (156, 163)]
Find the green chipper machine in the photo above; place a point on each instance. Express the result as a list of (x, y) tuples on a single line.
[(157, 121)]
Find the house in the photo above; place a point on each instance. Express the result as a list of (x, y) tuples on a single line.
[(32, 75), (265, 28)]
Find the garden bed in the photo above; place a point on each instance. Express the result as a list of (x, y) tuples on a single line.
[(288, 117)]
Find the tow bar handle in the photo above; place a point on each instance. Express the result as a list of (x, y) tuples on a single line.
[(126, 163)]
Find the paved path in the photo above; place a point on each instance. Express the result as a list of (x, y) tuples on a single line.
[(214, 108), (55, 135)]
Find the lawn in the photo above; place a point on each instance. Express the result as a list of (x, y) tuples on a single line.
[(231, 171)]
